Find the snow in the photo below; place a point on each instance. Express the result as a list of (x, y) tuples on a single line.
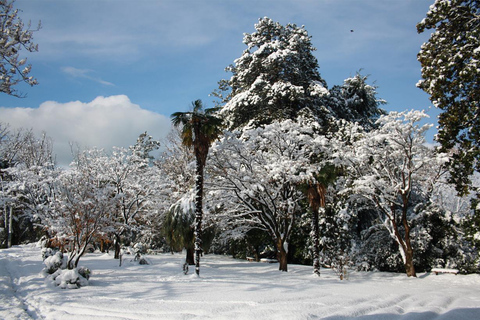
[(227, 289)]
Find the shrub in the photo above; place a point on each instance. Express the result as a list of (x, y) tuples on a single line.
[(69, 279), (53, 263)]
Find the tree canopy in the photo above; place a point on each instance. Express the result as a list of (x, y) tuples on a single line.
[(14, 37), (451, 76)]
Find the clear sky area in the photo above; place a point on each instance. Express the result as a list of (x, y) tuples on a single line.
[(109, 70)]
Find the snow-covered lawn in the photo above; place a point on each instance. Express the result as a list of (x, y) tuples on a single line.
[(227, 289)]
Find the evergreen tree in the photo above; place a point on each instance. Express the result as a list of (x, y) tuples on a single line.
[(276, 77), (199, 129), (356, 101), (451, 76)]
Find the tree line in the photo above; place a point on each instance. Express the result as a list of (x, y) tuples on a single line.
[(282, 167)]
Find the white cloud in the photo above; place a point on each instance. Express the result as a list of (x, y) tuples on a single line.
[(103, 122)]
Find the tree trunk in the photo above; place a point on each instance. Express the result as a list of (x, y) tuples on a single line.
[(189, 259), (198, 213), (316, 198), (409, 266), (404, 244), (282, 255), (116, 244), (10, 227)]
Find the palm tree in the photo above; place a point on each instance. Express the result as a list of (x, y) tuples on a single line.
[(200, 127)]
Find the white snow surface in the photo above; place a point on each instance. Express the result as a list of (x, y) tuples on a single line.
[(227, 289)]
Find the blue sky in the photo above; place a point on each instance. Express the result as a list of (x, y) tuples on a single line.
[(148, 59)]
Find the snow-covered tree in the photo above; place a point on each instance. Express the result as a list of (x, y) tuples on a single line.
[(258, 171), (355, 101), (450, 62), (27, 175), (275, 77), (136, 184), (14, 36), (395, 170), (179, 226), (177, 166), (82, 205)]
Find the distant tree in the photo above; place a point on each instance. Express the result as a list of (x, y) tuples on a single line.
[(179, 226), (450, 62), (394, 170), (26, 177), (200, 128), (13, 37), (316, 190), (135, 184), (356, 101), (276, 77), (82, 205)]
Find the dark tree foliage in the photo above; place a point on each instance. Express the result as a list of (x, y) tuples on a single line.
[(178, 228), (355, 100), (450, 62)]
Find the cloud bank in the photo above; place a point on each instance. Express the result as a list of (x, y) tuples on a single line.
[(104, 122)]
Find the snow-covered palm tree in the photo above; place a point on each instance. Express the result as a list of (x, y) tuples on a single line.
[(200, 127)]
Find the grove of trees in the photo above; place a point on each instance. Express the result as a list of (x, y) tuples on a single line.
[(282, 168)]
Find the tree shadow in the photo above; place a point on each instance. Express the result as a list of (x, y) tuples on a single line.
[(461, 313)]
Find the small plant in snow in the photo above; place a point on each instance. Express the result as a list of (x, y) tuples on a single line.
[(69, 279), (84, 272), (53, 262), (47, 252)]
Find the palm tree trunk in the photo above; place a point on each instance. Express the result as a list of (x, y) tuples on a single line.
[(198, 214), (10, 228)]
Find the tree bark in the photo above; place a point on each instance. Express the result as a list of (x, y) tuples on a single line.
[(198, 213), (316, 198), (189, 259), (10, 228), (282, 255), (409, 266), (116, 245)]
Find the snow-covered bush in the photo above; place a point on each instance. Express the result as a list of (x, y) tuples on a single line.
[(47, 252), (140, 248), (84, 272), (69, 279), (53, 262)]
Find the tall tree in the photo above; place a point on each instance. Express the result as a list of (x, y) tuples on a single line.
[(200, 127), (258, 171), (276, 77), (13, 37), (393, 169), (450, 62)]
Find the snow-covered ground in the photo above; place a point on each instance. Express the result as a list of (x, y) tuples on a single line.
[(227, 289)]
